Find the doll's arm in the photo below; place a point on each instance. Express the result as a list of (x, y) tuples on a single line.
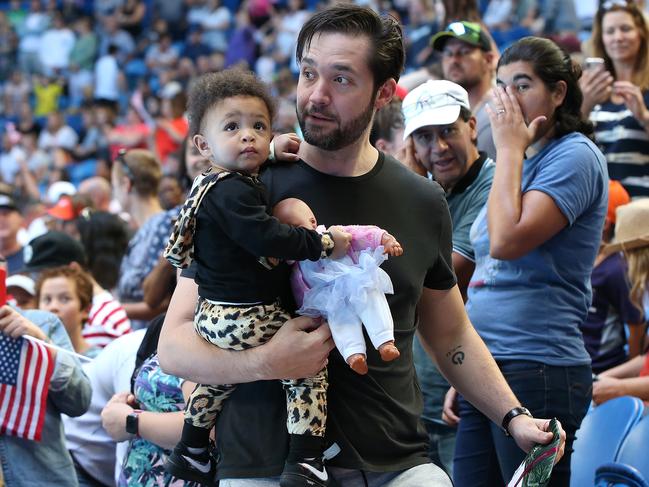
[(371, 236)]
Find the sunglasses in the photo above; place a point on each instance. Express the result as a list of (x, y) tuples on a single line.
[(465, 29), (609, 4), (121, 159)]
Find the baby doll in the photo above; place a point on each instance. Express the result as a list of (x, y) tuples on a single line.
[(348, 292)]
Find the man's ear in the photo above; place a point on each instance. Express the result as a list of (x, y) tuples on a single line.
[(381, 144), (203, 147), (385, 93)]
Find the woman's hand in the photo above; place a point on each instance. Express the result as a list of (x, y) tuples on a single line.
[(16, 325), (508, 127), (286, 147), (596, 85), (450, 413), (113, 416), (632, 96), (607, 388)]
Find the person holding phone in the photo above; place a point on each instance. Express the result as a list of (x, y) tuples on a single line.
[(616, 92)]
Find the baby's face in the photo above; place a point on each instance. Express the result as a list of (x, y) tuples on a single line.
[(296, 213), (237, 134)]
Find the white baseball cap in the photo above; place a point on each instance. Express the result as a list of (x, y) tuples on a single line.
[(435, 102)]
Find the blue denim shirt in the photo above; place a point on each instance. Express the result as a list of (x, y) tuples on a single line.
[(31, 463)]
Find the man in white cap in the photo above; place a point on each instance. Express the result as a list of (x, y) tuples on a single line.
[(438, 118)]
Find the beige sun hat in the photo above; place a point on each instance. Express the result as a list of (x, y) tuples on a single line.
[(631, 226)]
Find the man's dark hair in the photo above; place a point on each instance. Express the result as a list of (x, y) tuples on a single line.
[(386, 120), (212, 88), (384, 32)]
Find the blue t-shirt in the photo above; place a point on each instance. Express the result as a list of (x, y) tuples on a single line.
[(531, 308)]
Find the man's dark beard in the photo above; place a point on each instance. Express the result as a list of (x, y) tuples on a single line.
[(340, 137)]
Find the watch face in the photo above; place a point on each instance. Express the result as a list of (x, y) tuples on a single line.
[(131, 423)]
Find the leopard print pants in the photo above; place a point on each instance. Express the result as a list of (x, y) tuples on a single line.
[(240, 328)]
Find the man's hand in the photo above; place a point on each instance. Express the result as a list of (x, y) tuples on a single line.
[(299, 349), (528, 432), (16, 325), (391, 245), (342, 241), (113, 416), (408, 158), (286, 147), (450, 414)]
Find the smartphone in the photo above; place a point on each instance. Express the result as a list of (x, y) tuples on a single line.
[(593, 62)]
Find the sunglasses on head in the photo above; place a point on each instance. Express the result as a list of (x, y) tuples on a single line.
[(121, 159), (609, 4)]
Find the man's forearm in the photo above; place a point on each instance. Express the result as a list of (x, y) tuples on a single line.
[(470, 368), (184, 354), (461, 355)]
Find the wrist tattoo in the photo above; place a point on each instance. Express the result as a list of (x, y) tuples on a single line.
[(456, 355)]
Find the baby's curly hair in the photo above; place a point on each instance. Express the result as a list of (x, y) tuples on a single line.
[(211, 88)]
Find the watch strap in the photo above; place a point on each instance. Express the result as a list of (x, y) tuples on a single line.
[(132, 422), (517, 411)]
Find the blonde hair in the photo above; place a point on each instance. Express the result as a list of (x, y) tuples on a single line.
[(638, 265), (641, 68)]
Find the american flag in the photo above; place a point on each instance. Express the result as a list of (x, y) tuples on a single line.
[(25, 371)]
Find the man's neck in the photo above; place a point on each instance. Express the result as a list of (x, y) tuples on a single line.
[(354, 160), (143, 209)]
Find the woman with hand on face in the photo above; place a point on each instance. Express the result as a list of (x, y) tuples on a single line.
[(535, 243), (616, 93)]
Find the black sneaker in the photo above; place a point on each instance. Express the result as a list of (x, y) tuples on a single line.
[(308, 473), (184, 465)]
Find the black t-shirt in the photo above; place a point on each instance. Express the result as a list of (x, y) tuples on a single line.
[(234, 229), (374, 418)]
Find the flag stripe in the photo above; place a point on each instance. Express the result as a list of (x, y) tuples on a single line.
[(23, 404)]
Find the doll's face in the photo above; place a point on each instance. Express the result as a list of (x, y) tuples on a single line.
[(296, 213)]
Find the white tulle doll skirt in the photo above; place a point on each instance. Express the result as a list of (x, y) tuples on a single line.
[(350, 295)]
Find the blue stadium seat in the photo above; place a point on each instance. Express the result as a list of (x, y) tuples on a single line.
[(619, 475), (632, 461), (600, 437)]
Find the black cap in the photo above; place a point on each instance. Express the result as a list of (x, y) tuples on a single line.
[(7, 201), (52, 249), (469, 32)]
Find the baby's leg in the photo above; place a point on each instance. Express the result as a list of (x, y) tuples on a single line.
[(377, 319), (347, 333)]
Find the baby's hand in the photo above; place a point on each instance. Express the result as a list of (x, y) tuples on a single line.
[(286, 147), (392, 247), (342, 242)]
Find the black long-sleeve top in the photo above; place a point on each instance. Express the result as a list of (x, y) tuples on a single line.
[(233, 229)]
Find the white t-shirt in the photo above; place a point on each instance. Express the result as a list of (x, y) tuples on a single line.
[(109, 373), (106, 78)]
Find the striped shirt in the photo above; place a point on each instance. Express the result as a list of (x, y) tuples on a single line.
[(625, 144), (107, 320)]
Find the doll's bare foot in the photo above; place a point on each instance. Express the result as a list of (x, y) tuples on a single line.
[(388, 351), (358, 363)]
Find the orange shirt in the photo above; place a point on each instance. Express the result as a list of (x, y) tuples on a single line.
[(164, 143)]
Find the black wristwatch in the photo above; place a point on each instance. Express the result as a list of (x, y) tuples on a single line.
[(132, 422), (511, 415)]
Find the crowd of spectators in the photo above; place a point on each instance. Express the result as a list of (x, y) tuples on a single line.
[(95, 160)]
